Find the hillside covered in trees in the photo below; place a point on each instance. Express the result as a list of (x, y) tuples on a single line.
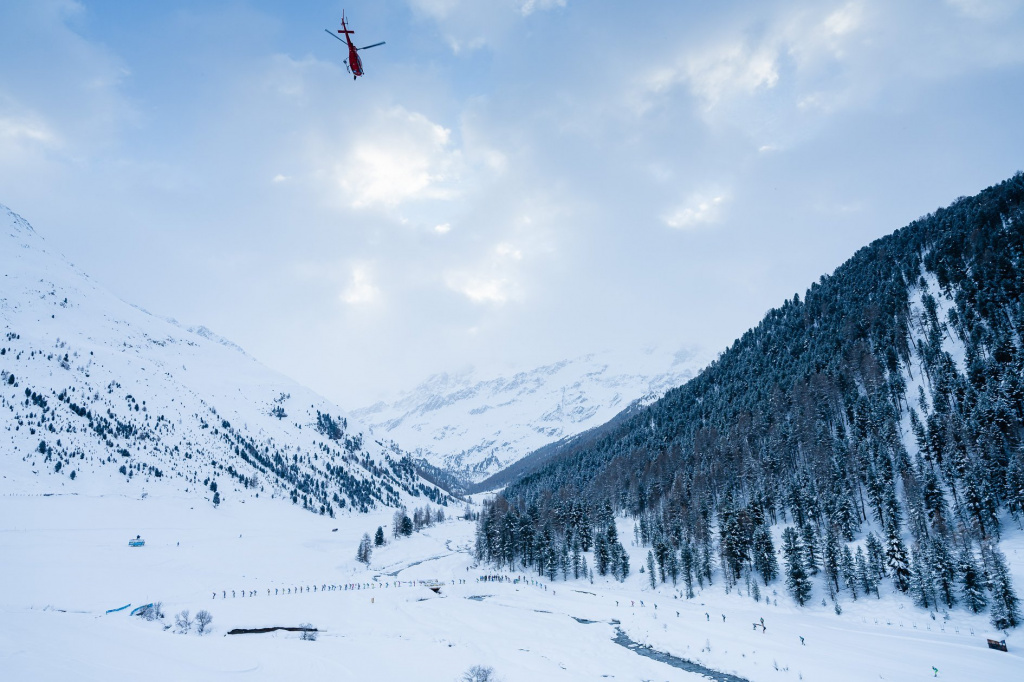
[(874, 426)]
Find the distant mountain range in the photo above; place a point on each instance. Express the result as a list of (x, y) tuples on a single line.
[(472, 426), (99, 396)]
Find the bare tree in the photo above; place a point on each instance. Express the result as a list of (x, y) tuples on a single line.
[(183, 621), (203, 620), (309, 632), (479, 673), (152, 611)]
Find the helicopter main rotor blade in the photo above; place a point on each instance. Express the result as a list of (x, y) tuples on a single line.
[(369, 46), (334, 36)]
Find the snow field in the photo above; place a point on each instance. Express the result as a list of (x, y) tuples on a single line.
[(65, 560)]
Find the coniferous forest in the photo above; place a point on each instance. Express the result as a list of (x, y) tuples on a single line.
[(872, 430)]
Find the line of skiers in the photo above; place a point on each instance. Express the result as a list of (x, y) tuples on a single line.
[(325, 587)]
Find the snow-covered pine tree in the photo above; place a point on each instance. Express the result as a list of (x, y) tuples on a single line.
[(1005, 608), (764, 554), (623, 564), (972, 587), (601, 554), (672, 566), (943, 572), (896, 556), (849, 570), (365, 549), (797, 580), (810, 550), (867, 577), (876, 556), (686, 559), (830, 556), (920, 581)]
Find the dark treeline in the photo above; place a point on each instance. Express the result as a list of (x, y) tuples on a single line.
[(884, 409)]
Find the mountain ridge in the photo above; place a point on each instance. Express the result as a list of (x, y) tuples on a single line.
[(122, 399), (473, 425)]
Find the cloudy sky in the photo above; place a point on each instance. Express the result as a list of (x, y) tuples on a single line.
[(512, 182)]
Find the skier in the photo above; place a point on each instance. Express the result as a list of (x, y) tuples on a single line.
[(935, 671), (708, 616), (802, 641), (723, 617)]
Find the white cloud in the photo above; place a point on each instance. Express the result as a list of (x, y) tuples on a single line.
[(480, 289), (505, 250), (528, 7), (361, 290), (443, 228), (729, 70), (405, 156), (700, 209), (494, 280), (26, 128), (469, 25), (733, 69)]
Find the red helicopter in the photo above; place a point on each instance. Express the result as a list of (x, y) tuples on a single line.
[(354, 63)]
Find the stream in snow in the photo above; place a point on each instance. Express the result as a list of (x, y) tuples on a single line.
[(622, 639)]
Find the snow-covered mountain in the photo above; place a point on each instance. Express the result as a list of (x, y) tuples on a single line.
[(473, 426), (100, 396)]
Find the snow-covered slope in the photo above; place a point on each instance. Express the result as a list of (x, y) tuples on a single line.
[(474, 426), (99, 396)]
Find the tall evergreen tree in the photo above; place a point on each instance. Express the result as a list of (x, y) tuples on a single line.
[(896, 556), (830, 556), (920, 582), (943, 572), (849, 570), (876, 556), (972, 585), (365, 549), (1005, 608), (797, 580), (867, 577), (764, 555), (810, 550)]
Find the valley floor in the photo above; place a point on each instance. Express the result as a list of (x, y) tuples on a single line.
[(65, 560)]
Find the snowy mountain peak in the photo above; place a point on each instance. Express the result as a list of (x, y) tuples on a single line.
[(101, 396), (474, 425)]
